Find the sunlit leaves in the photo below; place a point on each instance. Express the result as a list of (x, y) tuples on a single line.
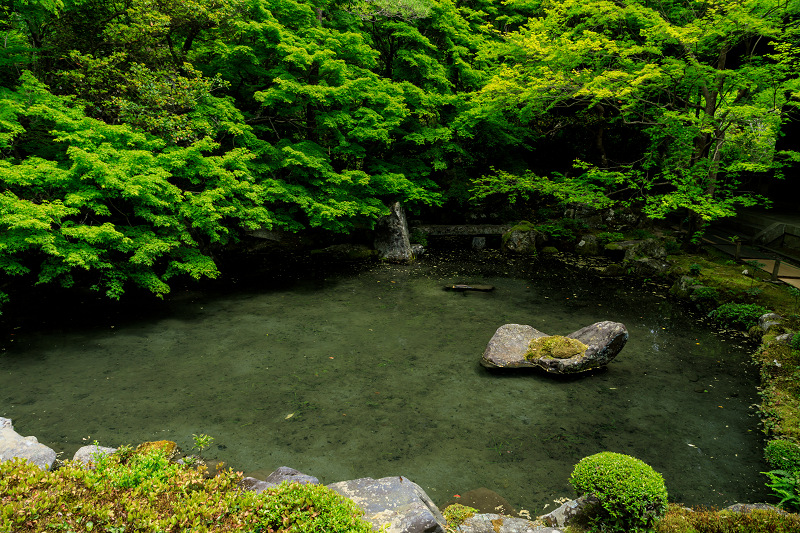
[(144, 491), (116, 206), (689, 78)]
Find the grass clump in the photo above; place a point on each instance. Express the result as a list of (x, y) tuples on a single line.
[(554, 346), (632, 495), (145, 492)]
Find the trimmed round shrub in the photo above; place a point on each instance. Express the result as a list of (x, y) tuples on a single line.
[(632, 495)]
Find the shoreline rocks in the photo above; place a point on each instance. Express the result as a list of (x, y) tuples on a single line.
[(13, 445), (394, 501)]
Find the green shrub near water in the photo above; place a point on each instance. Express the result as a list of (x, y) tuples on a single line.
[(632, 495), (148, 493), (606, 237), (782, 454), (741, 316)]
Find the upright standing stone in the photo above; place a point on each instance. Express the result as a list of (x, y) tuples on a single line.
[(391, 236)]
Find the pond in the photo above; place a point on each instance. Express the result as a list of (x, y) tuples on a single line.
[(374, 371)]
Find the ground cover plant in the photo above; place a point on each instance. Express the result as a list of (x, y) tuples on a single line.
[(738, 315), (679, 519), (146, 492)]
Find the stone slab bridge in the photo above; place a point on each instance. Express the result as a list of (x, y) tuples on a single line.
[(477, 230)]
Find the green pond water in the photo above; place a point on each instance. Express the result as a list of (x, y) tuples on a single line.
[(374, 371)]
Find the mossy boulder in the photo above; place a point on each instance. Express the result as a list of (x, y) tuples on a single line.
[(166, 447), (456, 514), (510, 347), (523, 238), (554, 346)]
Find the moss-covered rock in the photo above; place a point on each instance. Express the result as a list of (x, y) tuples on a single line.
[(456, 514), (554, 346), (166, 447)]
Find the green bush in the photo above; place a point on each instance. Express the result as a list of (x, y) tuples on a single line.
[(632, 495), (795, 342), (606, 237), (705, 295), (782, 454), (672, 246), (566, 228), (741, 316), (145, 492), (642, 234)]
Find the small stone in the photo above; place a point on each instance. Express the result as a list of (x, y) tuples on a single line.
[(768, 320), (571, 510), (281, 474), (496, 523), (89, 454)]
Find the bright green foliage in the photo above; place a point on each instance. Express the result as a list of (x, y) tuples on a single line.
[(680, 85), (736, 315), (146, 492), (330, 121), (213, 116), (632, 495), (82, 199)]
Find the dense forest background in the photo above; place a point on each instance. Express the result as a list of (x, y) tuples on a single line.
[(138, 136)]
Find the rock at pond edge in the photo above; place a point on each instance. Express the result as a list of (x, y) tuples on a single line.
[(12, 445), (396, 502)]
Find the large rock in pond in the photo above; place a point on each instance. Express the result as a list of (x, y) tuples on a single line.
[(283, 473), (12, 445), (396, 502), (511, 347), (391, 236)]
